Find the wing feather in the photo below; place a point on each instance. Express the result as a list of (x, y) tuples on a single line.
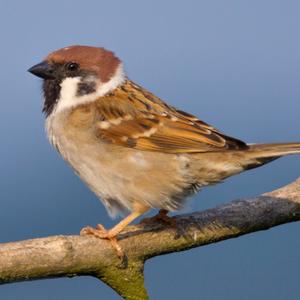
[(135, 118)]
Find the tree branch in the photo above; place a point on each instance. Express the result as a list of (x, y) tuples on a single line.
[(60, 256)]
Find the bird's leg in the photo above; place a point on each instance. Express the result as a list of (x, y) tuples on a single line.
[(162, 216), (111, 234)]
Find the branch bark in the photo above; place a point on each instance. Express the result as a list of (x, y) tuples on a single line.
[(60, 256)]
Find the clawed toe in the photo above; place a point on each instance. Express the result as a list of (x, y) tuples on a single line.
[(101, 233), (163, 217), (111, 235)]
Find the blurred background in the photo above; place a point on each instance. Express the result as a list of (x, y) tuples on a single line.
[(235, 64)]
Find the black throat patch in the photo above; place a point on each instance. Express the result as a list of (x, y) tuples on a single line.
[(51, 89)]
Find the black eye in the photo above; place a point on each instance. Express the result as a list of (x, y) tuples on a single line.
[(72, 66)]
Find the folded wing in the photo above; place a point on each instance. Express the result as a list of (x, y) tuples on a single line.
[(132, 117)]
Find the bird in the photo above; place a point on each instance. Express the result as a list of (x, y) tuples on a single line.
[(132, 149)]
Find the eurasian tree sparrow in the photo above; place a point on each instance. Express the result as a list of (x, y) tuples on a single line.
[(132, 149)]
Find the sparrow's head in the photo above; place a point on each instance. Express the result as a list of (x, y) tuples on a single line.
[(76, 75)]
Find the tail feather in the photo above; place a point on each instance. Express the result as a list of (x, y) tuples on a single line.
[(260, 154), (274, 150)]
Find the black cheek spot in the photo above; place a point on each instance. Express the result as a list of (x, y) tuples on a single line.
[(85, 88)]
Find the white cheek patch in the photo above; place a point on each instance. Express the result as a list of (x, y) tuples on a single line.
[(68, 94)]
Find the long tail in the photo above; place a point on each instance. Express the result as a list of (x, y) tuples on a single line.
[(271, 150), (260, 154)]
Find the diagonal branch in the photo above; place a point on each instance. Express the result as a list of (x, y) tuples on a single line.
[(60, 256)]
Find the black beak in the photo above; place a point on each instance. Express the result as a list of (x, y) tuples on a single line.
[(43, 70)]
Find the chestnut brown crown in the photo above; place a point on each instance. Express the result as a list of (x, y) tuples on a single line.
[(97, 60)]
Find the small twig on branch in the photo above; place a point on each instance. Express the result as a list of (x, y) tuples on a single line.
[(60, 256)]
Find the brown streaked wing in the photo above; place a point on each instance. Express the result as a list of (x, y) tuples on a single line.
[(138, 119)]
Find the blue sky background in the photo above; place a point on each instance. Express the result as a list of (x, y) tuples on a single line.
[(235, 64)]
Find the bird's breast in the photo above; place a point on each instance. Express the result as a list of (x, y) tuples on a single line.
[(119, 174)]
